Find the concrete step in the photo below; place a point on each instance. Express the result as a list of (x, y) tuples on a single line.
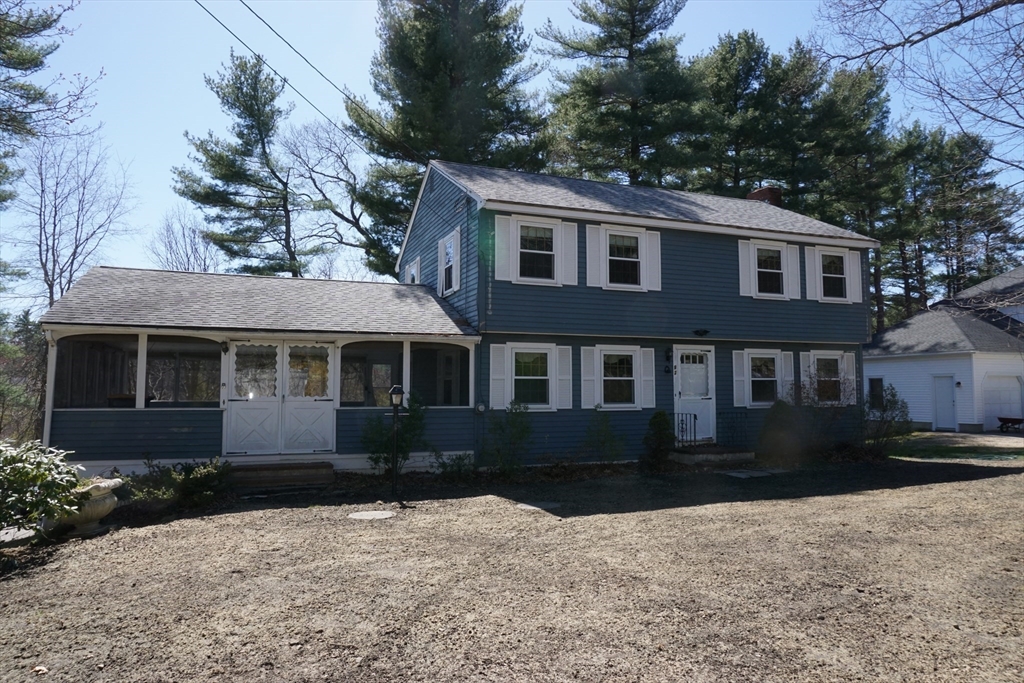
[(711, 457), (281, 475)]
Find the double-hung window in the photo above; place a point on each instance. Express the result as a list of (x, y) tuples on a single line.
[(448, 264), (623, 258), (531, 377), (761, 377), (536, 375), (412, 272), (833, 275), (829, 378), (537, 252), (618, 379), (769, 270)]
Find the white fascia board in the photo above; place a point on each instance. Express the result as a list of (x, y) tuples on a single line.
[(667, 223), (63, 330), (416, 207), (929, 354)]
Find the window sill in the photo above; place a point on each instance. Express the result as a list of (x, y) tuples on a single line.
[(536, 283), (828, 300), (624, 288), (771, 297), (617, 408)]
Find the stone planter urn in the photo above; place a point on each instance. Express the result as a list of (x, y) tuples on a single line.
[(99, 503)]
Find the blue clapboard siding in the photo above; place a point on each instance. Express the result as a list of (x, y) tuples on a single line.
[(443, 208), (448, 429), (138, 434), (700, 290), (563, 433)]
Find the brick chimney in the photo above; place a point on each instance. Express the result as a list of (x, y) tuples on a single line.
[(769, 195)]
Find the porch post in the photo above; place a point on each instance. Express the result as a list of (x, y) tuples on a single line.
[(406, 370), (140, 372), (472, 375), (51, 376)]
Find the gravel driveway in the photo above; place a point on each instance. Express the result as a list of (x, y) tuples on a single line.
[(908, 571)]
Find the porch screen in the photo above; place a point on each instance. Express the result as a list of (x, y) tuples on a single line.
[(368, 371), (96, 371), (440, 374), (182, 372)]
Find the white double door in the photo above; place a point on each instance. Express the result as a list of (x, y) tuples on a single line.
[(280, 398), (695, 391)]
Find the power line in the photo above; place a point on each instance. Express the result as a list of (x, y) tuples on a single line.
[(382, 129)]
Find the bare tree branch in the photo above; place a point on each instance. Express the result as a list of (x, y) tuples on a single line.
[(179, 243)]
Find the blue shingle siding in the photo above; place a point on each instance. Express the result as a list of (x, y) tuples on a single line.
[(138, 434), (562, 434), (700, 290), (448, 429), (444, 207)]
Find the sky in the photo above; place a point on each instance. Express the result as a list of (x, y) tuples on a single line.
[(153, 55)]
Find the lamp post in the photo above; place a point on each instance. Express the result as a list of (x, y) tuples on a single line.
[(396, 394)]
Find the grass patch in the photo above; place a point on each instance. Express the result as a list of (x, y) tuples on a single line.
[(923, 446)]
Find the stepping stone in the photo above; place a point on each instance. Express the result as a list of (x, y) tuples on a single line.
[(12, 534), (746, 474), (539, 505), (372, 514)]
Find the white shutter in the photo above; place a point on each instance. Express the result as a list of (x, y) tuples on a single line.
[(854, 277), (793, 272), (813, 268), (456, 259), (787, 376), (588, 377), (594, 256), (564, 400), (502, 257), (499, 377), (739, 378), (570, 255), (440, 267), (849, 379), (745, 271), (805, 373), (653, 282), (647, 395)]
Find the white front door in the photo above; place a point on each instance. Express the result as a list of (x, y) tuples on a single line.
[(281, 399), (945, 403), (695, 392)]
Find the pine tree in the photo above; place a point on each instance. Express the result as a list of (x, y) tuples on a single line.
[(244, 187), (621, 114), (451, 76)]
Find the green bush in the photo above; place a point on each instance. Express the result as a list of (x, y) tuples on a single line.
[(453, 466), (782, 438), (186, 484), (601, 441), (378, 438), (658, 442), (509, 436), (36, 484), (886, 424)]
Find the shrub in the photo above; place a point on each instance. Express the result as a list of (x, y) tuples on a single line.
[(601, 441), (453, 466), (782, 439), (378, 437), (187, 484), (36, 483), (658, 442), (887, 424), (509, 436)]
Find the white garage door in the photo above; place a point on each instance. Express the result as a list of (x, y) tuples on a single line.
[(1002, 398)]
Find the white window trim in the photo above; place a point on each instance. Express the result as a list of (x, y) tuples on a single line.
[(518, 222), (456, 258), (552, 354), (845, 254), (780, 372), (641, 235), (813, 375), (847, 375), (600, 352), (413, 267), (783, 256)]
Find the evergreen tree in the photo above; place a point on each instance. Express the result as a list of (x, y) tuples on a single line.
[(451, 76), (244, 187), (622, 114)]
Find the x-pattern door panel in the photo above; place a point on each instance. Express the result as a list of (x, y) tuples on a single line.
[(308, 407)]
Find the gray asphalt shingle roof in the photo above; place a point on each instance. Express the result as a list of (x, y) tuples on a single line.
[(945, 329), (158, 298), (537, 190), (1009, 283)]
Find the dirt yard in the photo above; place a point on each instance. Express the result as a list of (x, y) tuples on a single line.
[(908, 571)]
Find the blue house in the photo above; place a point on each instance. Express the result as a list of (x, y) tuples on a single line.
[(583, 301)]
